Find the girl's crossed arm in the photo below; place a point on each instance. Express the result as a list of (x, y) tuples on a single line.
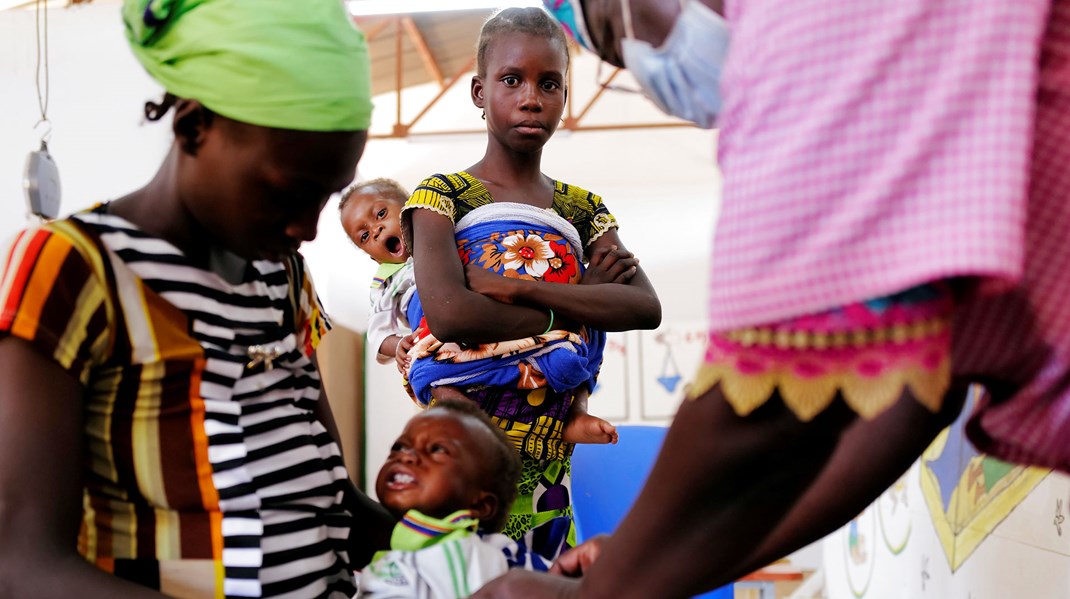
[(453, 311), (487, 307), (615, 294)]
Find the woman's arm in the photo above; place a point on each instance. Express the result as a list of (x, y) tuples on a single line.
[(42, 450), (607, 306), (372, 524), (453, 311)]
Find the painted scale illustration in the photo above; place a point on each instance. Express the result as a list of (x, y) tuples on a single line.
[(968, 493)]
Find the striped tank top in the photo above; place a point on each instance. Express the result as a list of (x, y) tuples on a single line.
[(209, 474)]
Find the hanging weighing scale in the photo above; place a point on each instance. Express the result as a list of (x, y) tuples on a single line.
[(40, 177), (40, 181)]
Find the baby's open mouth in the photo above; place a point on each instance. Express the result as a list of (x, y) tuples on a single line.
[(401, 477), (394, 245)]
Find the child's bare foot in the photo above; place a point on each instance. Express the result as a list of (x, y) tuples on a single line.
[(585, 428)]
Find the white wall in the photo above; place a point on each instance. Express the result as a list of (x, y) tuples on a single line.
[(97, 94)]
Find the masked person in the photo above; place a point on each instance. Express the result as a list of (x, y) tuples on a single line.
[(892, 230), (677, 60)]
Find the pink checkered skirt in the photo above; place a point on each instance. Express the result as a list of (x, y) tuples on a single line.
[(866, 353)]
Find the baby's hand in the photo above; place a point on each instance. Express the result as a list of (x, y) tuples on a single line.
[(486, 283), (401, 353), (610, 265)]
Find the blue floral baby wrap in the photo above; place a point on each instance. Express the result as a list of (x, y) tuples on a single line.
[(521, 241)]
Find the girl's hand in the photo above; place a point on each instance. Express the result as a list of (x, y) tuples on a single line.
[(401, 353), (610, 264), (486, 283)]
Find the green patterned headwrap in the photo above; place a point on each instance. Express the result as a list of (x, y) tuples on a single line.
[(289, 64)]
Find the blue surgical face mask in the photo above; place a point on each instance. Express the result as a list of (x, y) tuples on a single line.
[(683, 76)]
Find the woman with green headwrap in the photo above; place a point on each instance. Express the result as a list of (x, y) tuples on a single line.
[(162, 421)]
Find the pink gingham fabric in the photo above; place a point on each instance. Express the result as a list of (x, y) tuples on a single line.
[(1019, 337), (868, 147)]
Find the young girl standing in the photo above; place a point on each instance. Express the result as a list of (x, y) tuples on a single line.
[(522, 62)]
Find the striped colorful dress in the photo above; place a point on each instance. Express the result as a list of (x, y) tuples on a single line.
[(208, 474)]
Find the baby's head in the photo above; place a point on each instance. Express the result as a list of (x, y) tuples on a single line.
[(450, 458), (371, 217)]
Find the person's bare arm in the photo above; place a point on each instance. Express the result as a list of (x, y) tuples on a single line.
[(625, 306), (724, 495), (372, 524), (389, 346), (453, 311), (42, 449), (867, 468)]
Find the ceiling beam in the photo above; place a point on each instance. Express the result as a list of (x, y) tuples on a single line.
[(573, 123), (468, 66), (417, 38), (405, 26), (372, 31)]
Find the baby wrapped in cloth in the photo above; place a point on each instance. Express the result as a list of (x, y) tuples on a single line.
[(520, 241)]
